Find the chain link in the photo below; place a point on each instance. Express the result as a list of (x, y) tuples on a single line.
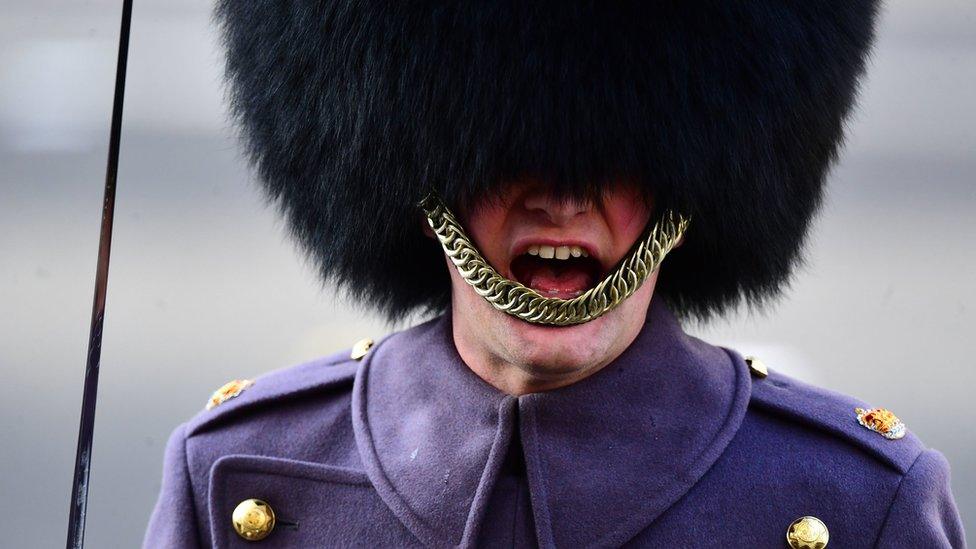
[(525, 303)]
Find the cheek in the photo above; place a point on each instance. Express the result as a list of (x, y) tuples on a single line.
[(487, 226), (627, 216)]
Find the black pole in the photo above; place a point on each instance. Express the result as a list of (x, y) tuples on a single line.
[(79, 489)]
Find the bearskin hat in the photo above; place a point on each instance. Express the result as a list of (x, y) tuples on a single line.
[(725, 110)]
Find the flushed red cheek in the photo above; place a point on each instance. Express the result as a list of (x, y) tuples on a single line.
[(627, 214)]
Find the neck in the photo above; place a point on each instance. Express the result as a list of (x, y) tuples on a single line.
[(502, 355), (516, 378)]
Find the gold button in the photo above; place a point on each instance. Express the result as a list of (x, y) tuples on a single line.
[(756, 367), (360, 349), (253, 519), (807, 533)]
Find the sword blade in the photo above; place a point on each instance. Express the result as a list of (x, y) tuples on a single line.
[(79, 490)]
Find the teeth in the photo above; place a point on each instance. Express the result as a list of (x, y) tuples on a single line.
[(557, 252)]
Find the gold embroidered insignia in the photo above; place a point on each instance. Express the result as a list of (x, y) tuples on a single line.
[(881, 421), (228, 391)]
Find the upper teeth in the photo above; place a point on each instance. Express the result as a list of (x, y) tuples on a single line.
[(557, 252)]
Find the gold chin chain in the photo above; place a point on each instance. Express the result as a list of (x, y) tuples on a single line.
[(525, 303)]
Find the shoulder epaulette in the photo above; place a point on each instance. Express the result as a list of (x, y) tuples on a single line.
[(834, 413), (239, 395)]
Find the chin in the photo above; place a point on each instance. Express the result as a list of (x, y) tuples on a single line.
[(552, 355), (549, 352)]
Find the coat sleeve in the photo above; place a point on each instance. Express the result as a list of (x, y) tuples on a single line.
[(923, 513), (173, 523)]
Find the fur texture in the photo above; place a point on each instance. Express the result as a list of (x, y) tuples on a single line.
[(731, 111)]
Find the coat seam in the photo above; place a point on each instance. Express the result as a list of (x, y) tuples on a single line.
[(894, 499)]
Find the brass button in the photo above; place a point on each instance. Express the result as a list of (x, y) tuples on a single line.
[(807, 533), (253, 519), (360, 349), (756, 367)]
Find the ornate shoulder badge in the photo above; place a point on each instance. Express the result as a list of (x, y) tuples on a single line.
[(881, 421), (228, 391)]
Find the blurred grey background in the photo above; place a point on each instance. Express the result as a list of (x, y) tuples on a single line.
[(204, 286)]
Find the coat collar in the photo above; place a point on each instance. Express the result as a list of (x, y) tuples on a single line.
[(604, 456)]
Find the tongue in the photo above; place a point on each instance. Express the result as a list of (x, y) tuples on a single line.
[(564, 283)]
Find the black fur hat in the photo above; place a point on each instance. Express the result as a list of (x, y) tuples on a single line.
[(728, 110)]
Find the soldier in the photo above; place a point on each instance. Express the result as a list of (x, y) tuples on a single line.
[(521, 171)]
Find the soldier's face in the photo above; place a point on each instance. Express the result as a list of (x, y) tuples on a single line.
[(560, 249)]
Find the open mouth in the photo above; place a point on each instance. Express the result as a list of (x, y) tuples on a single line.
[(525, 302), (562, 272)]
